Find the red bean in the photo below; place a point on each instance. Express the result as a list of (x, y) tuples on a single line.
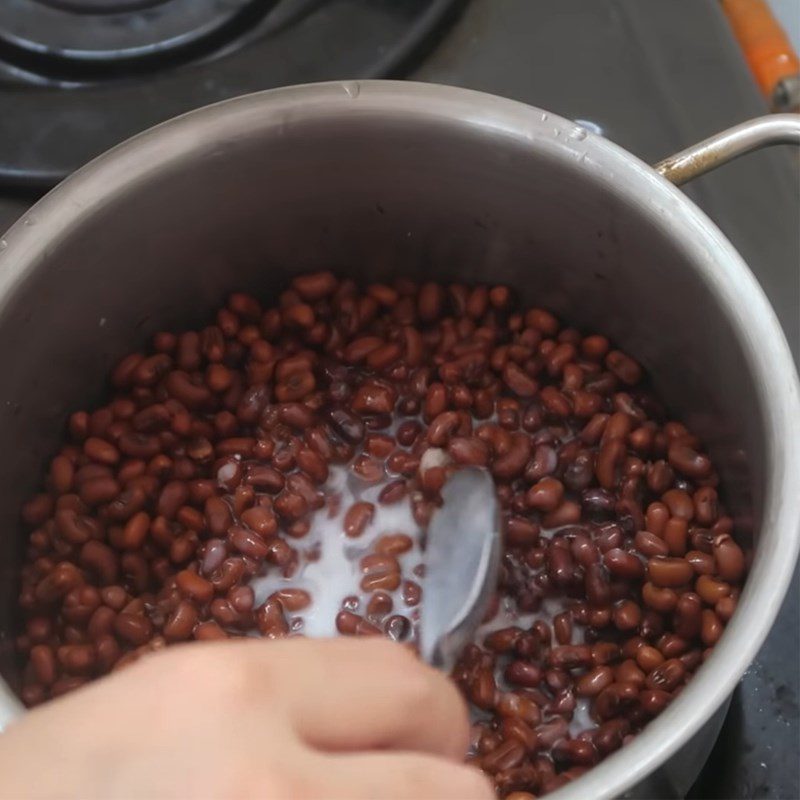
[(293, 599), (706, 506), (218, 446), (358, 516), (248, 543), (194, 586), (393, 492), (97, 491), (507, 755), (654, 701), (373, 398), (380, 572), (260, 519), (271, 621), (517, 729), (380, 604), (591, 684), (609, 461), (482, 689), (74, 527), (672, 572), (570, 656), (575, 751), (711, 590), (43, 663), (666, 676), (351, 624), (58, 582), (676, 536), (314, 285), (523, 673), (101, 561), (624, 367), (546, 495), (181, 622), (622, 564), (688, 461), (659, 599), (521, 532), (627, 615), (394, 544), (679, 504), (264, 478), (729, 558), (135, 629), (649, 545)]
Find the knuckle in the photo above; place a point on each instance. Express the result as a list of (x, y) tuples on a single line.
[(224, 673)]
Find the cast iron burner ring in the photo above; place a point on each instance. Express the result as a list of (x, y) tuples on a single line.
[(110, 31), (101, 6)]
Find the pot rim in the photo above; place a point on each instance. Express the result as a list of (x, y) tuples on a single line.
[(32, 240)]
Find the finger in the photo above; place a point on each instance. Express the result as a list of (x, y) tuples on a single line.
[(367, 694), (402, 776)]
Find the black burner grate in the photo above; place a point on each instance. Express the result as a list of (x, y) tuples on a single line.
[(69, 104)]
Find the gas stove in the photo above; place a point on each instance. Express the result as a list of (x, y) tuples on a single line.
[(82, 75), (78, 76)]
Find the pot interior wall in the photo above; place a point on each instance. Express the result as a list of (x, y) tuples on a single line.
[(372, 198)]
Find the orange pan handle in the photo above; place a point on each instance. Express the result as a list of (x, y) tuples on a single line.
[(767, 48)]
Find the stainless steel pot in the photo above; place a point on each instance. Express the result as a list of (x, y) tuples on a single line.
[(378, 179)]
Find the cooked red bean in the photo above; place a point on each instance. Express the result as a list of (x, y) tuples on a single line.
[(570, 656), (521, 532), (627, 615), (101, 561), (181, 623), (358, 516), (546, 495), (394, 544), (516, 728), (396, 628), (679, 503), (660, 599), (270, 620), (654, 701), (710, 590), (314, 285), (293, 599), (506, 755), (217, 449), (393, 492), (379, 571), (688, 461), (624, 367), (649, 545), (136, 629), (729, 557), (623, 565), (524, 673), (664, 571), (260, 519), (591, 684), (248, 543)]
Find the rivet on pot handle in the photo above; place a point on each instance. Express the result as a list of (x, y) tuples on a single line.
[(729, 144)]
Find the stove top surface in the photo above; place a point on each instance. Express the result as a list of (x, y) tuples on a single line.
[(652, 76), (82, 75)]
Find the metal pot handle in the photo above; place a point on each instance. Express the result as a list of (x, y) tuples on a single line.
[(729, 144)]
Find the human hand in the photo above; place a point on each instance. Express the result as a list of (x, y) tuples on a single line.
[(346, 719)]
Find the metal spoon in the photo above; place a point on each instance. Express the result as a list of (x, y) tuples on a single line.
[(462, 559)]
